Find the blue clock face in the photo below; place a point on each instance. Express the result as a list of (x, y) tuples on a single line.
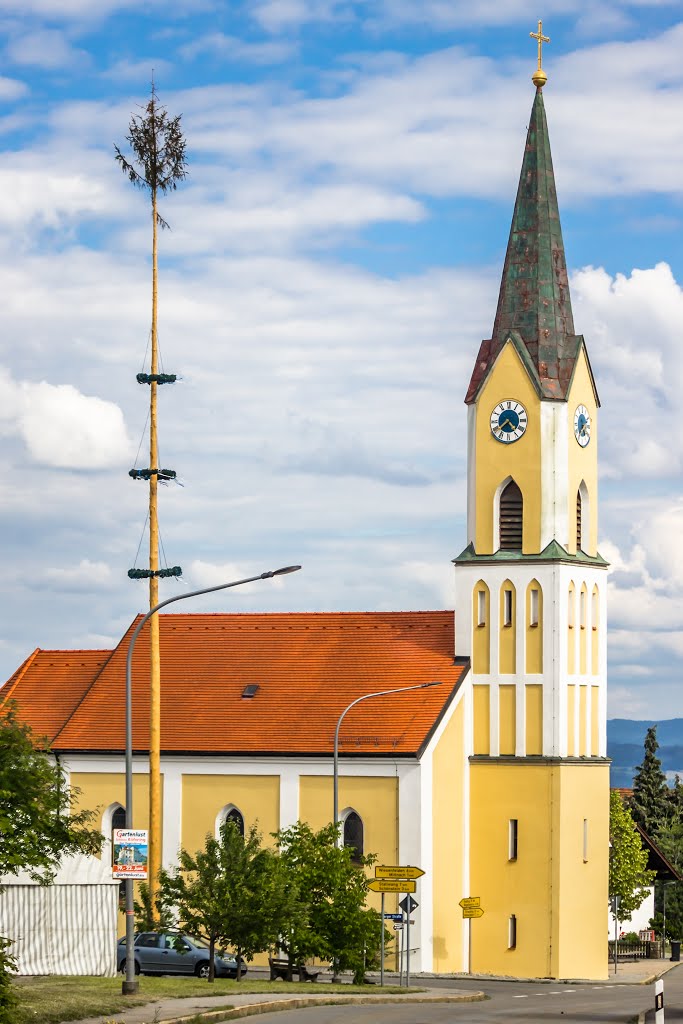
[(508, 421), (582, 425)]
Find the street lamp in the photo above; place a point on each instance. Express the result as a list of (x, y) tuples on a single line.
[(367, 696), (130, 985)]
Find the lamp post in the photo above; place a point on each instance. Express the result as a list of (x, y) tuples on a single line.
[(367, 696), (130, 985)]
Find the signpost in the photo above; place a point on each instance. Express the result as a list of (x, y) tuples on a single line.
[(384, 871), (390, 885), (471, 908), (397, 878)]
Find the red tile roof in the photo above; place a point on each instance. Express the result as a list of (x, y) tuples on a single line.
[(49, 685), (308, 667)]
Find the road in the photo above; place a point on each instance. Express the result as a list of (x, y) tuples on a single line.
[(510, 1001)]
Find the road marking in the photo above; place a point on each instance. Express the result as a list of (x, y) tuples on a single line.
[(520, 997)]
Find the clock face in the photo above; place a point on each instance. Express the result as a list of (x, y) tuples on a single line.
[(508, 421), (582, 425)]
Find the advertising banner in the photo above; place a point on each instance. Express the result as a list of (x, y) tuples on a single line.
[(129, 853)]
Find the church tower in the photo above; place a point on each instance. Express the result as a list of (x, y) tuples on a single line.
[(530, 612)]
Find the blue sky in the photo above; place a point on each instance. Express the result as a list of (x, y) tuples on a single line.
[(332, 267)]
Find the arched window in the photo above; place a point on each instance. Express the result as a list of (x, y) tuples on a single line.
[(582, 518), (353, 834), (230, 813), (118, 818), (511, 516)]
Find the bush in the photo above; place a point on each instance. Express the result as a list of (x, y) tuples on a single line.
[(8, 999)]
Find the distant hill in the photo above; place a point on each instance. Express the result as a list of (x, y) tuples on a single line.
[(625, 739)]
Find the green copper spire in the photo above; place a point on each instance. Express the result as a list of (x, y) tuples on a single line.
[(534, 307)]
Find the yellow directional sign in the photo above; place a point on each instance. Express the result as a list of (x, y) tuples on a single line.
[(472, 912), (397, 871), (391, 885), (469, 902)]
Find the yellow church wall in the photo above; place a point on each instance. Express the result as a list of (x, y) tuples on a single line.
[(571, 620), (582, 462), (99, 790), (497, 461), (507, 719), (556, 887), (583, 703), (481, 639), (595, 632), (580, 877), (374, 799), (257, 797), (534, 631), (595, 721), (508, 633), (447, 863), (533, 718), (500, 792), (571, 720), (482, 719), (583, 641)]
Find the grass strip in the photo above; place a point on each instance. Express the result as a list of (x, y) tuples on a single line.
[(54, 1000)]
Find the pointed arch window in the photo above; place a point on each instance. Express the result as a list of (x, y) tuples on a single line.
[(353, 835), (582, 517), (230, 813), (511, 518)]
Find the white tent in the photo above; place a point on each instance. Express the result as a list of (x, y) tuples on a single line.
[(68, 927)]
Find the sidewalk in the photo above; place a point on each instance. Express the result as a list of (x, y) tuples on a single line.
[(168, 1011)]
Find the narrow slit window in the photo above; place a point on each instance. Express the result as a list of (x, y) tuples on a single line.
[(512, 931), (579, 505), (513, 831), (570, 608), (533, 607), (594, 609), (511, 518), (585, 840), (507, 607), (582, 609), (481, 608)]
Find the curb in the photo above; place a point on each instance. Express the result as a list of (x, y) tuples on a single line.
[(253, 1009)]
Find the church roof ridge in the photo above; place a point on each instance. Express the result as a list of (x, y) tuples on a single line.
[(534, 298)]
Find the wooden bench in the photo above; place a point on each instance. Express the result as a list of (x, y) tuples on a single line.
[(279, 969)]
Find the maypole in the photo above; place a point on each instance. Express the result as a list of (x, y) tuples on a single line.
[(159, 163)]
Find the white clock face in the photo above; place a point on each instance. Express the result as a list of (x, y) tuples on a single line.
[(508, 421), (582, 425)]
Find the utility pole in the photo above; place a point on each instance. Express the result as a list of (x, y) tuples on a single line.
[(159, 163)]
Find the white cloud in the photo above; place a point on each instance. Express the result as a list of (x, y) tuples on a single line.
[(45, 48), (218, 44), (62, 427), (83, 577)]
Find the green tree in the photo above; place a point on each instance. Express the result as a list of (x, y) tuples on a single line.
[(228, 893), (330, 919), (39, 822), (651, 800), (629, 878), (150, 913)]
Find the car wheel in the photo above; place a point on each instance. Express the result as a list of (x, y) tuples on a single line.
[(202, 970), (122, 968)]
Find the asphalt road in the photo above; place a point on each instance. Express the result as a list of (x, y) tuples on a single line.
[(510, 1001)]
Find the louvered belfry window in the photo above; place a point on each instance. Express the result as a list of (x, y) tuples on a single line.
[(578, 520), (511, 516)]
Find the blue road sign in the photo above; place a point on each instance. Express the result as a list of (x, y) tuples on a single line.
[(393, 917)]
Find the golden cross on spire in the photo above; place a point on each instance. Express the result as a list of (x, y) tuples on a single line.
[(539, 78)]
